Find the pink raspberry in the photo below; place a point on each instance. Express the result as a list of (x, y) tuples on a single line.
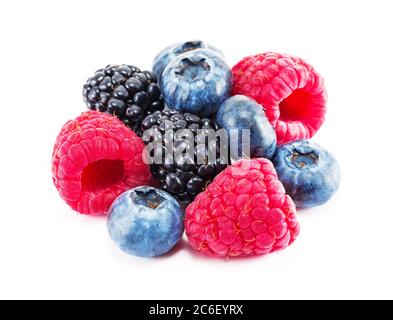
[(292, 93), (95, 159), (243, 212)]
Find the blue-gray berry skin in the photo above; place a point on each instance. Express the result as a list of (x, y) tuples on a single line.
[(175, 50), (197, 81), (309, 173), (240, 112), (145, 222)]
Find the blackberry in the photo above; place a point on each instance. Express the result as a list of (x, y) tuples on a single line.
[(190, 173), (124, 91)]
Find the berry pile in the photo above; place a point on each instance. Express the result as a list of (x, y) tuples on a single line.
[(197, 146)]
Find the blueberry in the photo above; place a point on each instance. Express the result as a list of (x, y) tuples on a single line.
[(197, 82), (145, 222), (171, 52), (240, 112), (309, 173)]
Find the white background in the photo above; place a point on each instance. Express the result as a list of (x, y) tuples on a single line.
[(48, 49)]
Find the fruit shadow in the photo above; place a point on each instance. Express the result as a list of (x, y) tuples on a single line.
[(178, 248), (92, 218), (304, 211), (200, 256), (184, 246)]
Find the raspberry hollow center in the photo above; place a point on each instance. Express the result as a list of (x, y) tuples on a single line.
[(102, 174), (297, 107)]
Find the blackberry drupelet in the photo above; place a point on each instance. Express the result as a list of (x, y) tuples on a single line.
[(184, 177), (124, 91)]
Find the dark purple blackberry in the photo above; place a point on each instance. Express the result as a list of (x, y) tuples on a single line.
[(191, 173), (124, 91)]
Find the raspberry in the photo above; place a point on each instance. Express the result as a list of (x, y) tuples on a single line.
[(292, 93), (243, 212), (95, 159)]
